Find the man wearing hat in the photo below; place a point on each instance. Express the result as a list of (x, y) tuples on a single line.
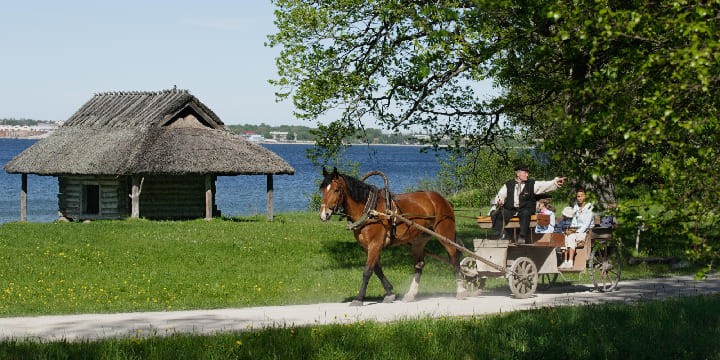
[(517, 198)]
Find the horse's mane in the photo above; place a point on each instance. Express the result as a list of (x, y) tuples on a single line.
[(357, 190)]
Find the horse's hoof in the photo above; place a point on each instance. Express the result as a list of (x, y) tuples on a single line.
[(356, 303), (408, 298), (461, 295), (389, 298)]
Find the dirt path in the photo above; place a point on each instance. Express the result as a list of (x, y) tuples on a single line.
[(96, 326)]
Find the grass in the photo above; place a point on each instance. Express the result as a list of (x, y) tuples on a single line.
[(122, 266), (118, 266), (681, 328)]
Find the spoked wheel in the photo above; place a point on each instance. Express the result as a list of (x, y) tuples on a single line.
[(605, 266), (523, 277), (473, 281)]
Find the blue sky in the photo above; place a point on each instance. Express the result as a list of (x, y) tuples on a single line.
[(57, 54)]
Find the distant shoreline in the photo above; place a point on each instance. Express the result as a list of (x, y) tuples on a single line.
[(42, 136), (29, 137)]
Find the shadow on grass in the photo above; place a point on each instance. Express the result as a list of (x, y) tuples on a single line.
[(245, 219), (348, 255)]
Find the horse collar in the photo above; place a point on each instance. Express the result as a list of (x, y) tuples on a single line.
[(370, 204)]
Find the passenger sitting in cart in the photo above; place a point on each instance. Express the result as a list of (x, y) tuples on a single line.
[(517, 197), (582, 222), (565, 221), (544, 207)]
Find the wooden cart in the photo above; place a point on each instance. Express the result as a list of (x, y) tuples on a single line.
[(524, 264)]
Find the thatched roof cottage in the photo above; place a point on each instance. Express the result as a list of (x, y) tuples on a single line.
[(143, 154)]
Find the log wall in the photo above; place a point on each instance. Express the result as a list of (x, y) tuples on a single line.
[(114, 202), (161, 197), (175, 197)]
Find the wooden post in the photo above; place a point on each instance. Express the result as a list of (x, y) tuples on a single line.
[(23, 198), (270, 197), (135, 198), (208, 197)]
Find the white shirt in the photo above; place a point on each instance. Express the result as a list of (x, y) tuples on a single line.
[(583, 219), (541, 187)]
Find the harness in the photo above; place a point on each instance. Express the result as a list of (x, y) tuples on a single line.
[(371, 204)]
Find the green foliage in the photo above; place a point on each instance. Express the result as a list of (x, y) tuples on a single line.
[(473, 179), (407, 66), (578, 332), (623, 94), (642, 108)]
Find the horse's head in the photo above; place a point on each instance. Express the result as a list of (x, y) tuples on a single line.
[(332, 193)]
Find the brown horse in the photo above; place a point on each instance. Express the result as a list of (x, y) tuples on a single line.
[(373, 233)]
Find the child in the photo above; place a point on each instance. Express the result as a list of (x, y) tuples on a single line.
[(565, 221), (544, 207)]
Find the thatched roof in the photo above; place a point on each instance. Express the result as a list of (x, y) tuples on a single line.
[(163, 133)]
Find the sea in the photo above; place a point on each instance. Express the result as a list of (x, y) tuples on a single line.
[(406, 167)]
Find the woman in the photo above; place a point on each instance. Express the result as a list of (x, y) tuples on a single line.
[(581, 223)]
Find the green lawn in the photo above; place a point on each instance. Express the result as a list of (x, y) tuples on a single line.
[(120, 266), (117, 266)]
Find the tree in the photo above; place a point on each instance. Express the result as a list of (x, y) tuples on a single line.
[(404, 64), (627, 89), (640, 105)]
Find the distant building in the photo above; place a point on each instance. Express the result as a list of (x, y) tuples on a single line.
[(24, 131), (279, 135), (255, 138)]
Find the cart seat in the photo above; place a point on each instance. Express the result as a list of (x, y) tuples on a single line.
[(551, 239), (485, 222)]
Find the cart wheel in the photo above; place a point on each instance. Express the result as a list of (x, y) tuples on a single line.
[(523, 277), (474, 283), (468, 267), (605, 266)]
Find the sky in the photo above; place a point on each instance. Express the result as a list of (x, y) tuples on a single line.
[(55, 55)]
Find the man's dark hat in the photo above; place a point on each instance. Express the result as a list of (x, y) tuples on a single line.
[(522, 168)]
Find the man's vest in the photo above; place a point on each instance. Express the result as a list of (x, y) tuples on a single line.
[(527, 196)]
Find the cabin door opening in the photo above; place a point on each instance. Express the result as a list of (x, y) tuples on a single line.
[(91, 199)]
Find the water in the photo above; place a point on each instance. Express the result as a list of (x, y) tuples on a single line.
[(42, 198), (405, 166)]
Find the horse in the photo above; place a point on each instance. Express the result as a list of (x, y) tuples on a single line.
[(373, 233)]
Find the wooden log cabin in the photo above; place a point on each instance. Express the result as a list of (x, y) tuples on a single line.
[(154, 155)]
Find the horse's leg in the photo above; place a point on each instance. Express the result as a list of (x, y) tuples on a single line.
[(418, 254), (373, 258), (389, 294), (367, 273)]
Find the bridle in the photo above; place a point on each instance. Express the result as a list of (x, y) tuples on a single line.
[(338, 202), (370, 205)]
